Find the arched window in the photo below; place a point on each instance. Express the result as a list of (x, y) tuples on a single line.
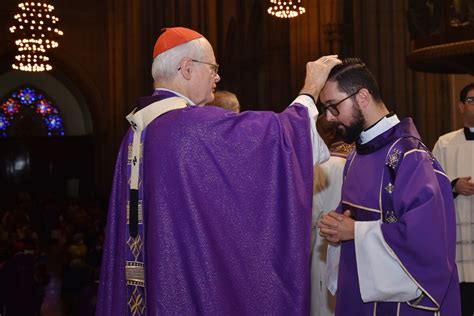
[(27, 112)]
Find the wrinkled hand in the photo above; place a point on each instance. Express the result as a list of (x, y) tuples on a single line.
[(317, 73), (464, 186), (336, 227)]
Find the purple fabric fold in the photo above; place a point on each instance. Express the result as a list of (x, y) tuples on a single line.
[(406, 184), (227, 214)]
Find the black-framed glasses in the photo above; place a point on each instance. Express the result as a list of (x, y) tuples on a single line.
[(469, 100), (214, 67), (333, 107)]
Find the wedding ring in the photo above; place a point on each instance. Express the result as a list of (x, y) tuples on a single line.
[(325, 60)]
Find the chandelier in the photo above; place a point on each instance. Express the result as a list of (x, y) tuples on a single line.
[(36, 33), (286, 9)]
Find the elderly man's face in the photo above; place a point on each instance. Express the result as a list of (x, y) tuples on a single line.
[(205, 77)]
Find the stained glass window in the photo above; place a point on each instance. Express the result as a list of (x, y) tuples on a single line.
[(29, 102)]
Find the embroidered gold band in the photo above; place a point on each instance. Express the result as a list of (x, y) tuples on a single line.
[(135, 273)]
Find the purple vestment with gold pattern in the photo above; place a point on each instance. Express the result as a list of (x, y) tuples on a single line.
[(224, 216), (395, 179)]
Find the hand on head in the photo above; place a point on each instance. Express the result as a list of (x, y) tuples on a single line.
[(317, 73)]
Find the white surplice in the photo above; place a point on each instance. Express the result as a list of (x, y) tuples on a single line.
[(456, 156)]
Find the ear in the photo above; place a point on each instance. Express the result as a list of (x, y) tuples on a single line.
[(363, 97), (186, 69)]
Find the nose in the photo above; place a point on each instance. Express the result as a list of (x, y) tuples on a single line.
[(217, 78)]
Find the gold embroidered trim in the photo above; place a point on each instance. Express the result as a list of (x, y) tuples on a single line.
[(393, 158), (136, 303), (135, 273), (390, 188), (390, 217), (388, 158), (135, 245), (341, 149)]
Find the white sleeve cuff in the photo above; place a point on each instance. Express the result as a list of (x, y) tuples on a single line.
[(308, 102), (381, 275), (319, 148), (332, 267)]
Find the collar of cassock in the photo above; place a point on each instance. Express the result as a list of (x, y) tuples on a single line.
[(161, 90), (379, 134), (469, 133), (383, 125)]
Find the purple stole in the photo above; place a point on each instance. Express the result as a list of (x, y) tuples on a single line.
[(135, 229), (134, 247)]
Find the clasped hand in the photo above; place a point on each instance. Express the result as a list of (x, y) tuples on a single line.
[(464, 186), (336, 227)]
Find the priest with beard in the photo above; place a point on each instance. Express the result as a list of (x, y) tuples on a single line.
[(394, 230)]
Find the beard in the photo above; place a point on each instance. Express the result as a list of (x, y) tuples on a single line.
[(349, 133)]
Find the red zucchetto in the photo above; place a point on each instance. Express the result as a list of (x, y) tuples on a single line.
[(172, 37)]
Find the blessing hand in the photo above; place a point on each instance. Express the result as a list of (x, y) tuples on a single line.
[(317, 73)]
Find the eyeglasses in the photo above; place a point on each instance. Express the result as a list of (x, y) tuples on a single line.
[(469, 100), (214, 67), (333, 107)]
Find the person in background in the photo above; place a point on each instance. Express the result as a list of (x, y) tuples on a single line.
[(326, 197), (226, 100), (395, 226), (210, 213), (455, 152)]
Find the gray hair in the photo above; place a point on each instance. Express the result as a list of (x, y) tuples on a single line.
[(226, 100), (165, 66)]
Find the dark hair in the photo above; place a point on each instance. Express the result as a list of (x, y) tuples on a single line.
[(353, 75), (465, 91)]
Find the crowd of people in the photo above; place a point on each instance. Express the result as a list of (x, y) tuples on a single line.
[(50, 254)]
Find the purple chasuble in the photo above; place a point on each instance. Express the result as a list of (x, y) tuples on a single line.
[(226, 201), (395, 179)]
